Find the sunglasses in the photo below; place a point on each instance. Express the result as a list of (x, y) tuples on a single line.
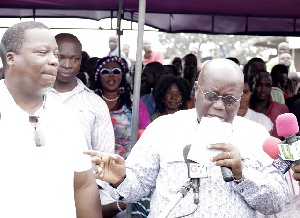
[(212, 97), (114, 72), (37, 135)]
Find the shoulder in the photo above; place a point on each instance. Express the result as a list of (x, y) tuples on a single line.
[(247, 125), (280, 106), (182, 118)]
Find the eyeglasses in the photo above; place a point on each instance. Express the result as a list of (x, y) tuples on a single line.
[(37, 135), (212, 97), (114, 72)]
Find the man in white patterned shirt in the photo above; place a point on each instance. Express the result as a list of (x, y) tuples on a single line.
[(156, 163), (91, 109)]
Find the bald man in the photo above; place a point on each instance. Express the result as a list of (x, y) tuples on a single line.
[(114, 50), (283, 47), (156, 163)]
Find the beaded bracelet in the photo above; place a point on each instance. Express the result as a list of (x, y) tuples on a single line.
[(119, 206)]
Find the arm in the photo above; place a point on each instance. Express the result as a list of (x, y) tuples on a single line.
[(262, 186), (144, 116), (103, 138), (86, 194)]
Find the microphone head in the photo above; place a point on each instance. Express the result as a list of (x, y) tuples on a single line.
[(270, 146), (287, 125), (186, 151)]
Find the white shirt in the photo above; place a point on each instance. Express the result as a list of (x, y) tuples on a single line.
[(156, 162), (38, 181), (93, 114), (259, 118)]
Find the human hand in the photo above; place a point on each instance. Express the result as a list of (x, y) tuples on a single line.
[(108, 167), (230, 157), (296, 174)]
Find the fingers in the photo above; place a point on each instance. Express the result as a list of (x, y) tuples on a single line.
[(92, 153), (229, 157)]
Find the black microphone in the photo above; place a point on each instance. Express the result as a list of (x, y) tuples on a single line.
[(227, 174), (193, 173)]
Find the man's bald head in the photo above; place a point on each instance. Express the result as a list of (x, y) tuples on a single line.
[(283, 47), (222, 68), (219, 77)]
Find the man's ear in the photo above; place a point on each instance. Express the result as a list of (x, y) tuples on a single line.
[(10, 58)]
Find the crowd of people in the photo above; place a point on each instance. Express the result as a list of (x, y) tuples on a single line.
[(66, 120)]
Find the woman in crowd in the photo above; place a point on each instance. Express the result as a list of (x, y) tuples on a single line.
[(111, 85), (171, 95)]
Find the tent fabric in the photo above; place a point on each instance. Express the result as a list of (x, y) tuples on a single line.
[(251, 17)]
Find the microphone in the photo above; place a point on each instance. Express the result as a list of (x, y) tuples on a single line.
[(270, 146), (287, 126), (286, 152), (194, 172)]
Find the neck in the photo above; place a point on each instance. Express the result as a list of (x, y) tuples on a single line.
[(110, 95), (260, 106), (27, 101), (62, 87), (169, 111), (242, 111)]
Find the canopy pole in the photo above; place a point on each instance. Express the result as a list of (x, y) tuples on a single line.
[(119, 31), (138, 72), (137, 83)]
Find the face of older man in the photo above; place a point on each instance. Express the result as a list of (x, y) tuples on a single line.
[(224, 78)]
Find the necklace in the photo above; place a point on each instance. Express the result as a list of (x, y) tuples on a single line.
[(112, 99)]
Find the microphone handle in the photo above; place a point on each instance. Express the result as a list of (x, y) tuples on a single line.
[(227, 174), (196, 186)]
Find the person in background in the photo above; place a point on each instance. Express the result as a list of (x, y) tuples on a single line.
[(245, 111), (40, 135), (289, 102), (222, 51), (283, 47), (253, 67), (114, 49), (156, 162), (171, 69), (262, 102), (285, 59), (178, 64), (279, 74), (171, 95), (207, 49), (151, 56), (91, 110), (235, 60), (111, 85), (83, 75), (150, 78), (126, 50), (90, 69), (190, 71)]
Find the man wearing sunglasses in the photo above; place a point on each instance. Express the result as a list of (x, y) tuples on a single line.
[(44, 172), (218, 137)]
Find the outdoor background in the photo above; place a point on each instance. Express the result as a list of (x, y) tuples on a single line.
[(94, 38)]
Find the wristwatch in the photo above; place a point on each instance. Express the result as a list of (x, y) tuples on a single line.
[(238, 181)]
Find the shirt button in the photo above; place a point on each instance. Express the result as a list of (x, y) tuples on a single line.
[(241, 190)]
